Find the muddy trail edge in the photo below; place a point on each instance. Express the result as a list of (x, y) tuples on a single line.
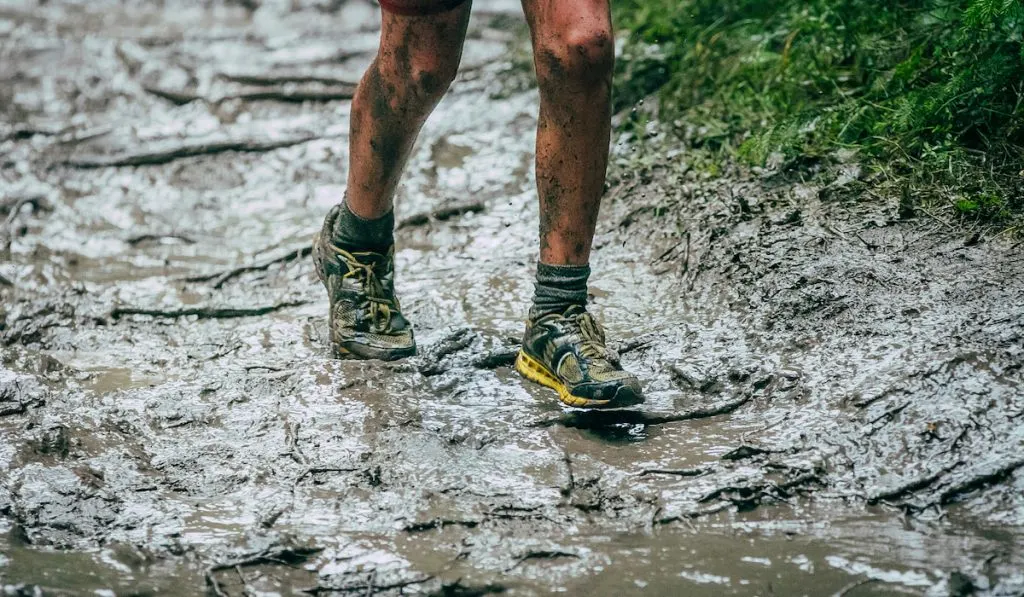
[(834, 383)]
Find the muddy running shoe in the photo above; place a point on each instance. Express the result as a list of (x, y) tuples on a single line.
[(366, 319), (566, 353)]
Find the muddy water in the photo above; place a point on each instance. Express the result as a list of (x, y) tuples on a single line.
[(834, 392)]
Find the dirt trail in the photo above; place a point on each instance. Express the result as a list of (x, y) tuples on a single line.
[(834, 383)]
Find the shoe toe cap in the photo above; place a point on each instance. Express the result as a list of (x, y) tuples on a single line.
[(612, 394)]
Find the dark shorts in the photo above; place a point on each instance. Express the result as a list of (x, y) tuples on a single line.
[(419, 8)]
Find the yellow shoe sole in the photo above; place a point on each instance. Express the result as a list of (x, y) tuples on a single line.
[(535, 371)]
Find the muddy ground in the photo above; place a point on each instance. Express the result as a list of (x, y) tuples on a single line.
[(834, 380)]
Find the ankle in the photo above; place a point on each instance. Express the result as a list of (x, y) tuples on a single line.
[(352, 232), (367, 210), (559, 287)]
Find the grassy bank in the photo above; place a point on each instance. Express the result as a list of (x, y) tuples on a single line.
[(929, 93)]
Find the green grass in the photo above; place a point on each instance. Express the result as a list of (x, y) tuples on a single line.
[(930, 93)]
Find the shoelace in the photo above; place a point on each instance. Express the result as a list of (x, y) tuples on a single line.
[(591, 334), (592, 346), (380, 305)]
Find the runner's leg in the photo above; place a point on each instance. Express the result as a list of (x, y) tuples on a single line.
[(574, 55), (417, 61)]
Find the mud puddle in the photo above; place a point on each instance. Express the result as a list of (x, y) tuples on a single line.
[(782, 556), (834, 391)]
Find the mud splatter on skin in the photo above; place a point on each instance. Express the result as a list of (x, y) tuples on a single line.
[(550, 207), (833, 391), (404, 83), (574, 122)]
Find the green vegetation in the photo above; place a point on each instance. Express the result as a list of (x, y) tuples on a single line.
[(928, 92)]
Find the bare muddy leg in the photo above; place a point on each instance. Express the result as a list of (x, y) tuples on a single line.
[(417, 61), (574, 55)]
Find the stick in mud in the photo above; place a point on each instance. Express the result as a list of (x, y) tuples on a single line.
[(442, 214), (912, 486), (183, 149), (850, 587), (744, 452), (683, 472), (270, 80), (282, 556), (316, 470), (978, 482), (220, 278), (9, 205), (145, 238), (570, 483), (542, 555), (205, 312), (691, 515), (439, 523), (7, 234), (292, 95)]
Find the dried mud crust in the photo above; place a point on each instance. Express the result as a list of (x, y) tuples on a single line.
[(833, 385)]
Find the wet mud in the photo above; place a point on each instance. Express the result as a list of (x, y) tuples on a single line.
[(833, 380)]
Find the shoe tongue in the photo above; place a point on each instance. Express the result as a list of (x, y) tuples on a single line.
[(378, 261), (574, 310), (569, 313)]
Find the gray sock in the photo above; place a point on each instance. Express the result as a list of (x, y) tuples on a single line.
[(353, 233), (559, 287)]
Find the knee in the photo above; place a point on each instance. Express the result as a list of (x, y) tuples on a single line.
[(578, 58)]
